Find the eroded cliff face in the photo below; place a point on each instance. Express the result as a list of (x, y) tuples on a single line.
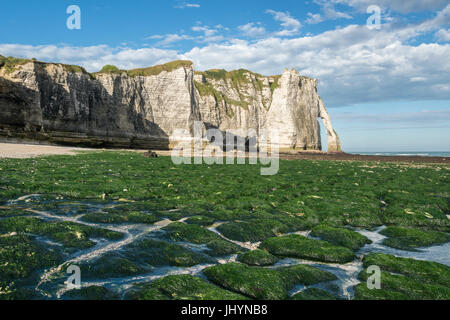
[(241, 100), (142, 108)]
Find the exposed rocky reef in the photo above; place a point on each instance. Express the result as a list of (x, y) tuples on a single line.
[(141, 108)]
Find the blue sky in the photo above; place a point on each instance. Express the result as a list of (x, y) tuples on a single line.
[(386, 89)]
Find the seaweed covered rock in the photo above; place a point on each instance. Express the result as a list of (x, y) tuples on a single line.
[(410, 239), (110, 265), (340, 236), (262, 283), (400, 287), (180, 287), (91, 293), (70, 234), (296, 246), (160, 253), (422, 271), (200, 220), (193, 233), (21, 256), (120, 216), (12, 212), (141, 257), (405, 279), (258, 258), (258, 229)]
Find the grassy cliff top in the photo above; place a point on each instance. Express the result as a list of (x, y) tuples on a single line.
[(150, 71), (153, 71), (222, 74), (10, 63)]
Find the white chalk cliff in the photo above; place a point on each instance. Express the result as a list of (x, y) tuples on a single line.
[(142, 108)]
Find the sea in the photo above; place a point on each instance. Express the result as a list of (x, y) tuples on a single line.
[(406, 154)]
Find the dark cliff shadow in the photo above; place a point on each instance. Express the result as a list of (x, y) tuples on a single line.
[(87, 115), (18, 119)]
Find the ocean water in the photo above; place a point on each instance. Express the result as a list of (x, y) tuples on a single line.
[(405, 154)]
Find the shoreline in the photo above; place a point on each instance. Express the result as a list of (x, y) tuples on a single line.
[(23, 151)]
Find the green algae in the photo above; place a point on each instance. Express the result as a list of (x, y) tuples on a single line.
[(110, 265), (258, 258), (160, 253), (410, 239), (70, 234), (12, 212), (253, 230), (119, 215), (201, 221), (91, 293), (340, 236), (21, 256), (141, 257), (422, 271), (222, 247), (296, 246), (180, 287), (400, 287), (262, 283), (405, 279), (178, 231), (304, 193)]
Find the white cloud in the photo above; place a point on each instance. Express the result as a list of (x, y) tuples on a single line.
[(443, 35), (187, 5), (208, 32), (252, 30), (314, 18), (291, 25), (329, 13), (169, 39), (353, 64), (92, 58)]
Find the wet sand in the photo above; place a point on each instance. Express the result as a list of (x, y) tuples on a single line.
[(22, 151)]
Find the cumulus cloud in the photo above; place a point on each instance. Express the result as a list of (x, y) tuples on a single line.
[(314, 18), (169, 39), (329, 12), (353, 64), (291, 26), (252, 30), (443, 35), (92, 58)]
